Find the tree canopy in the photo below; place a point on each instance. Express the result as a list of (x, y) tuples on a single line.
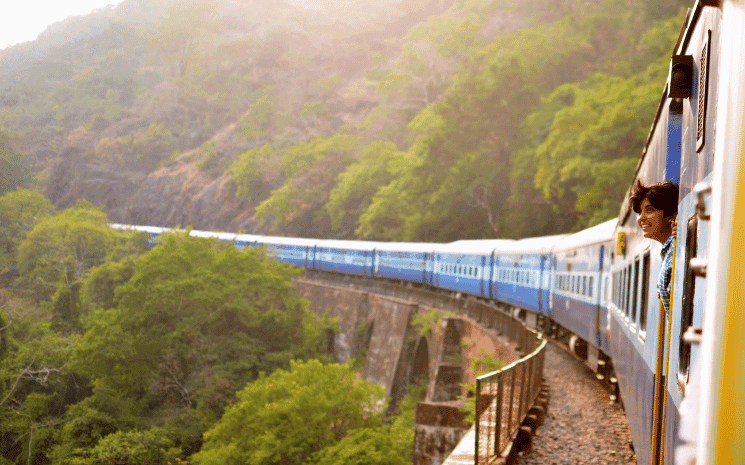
[(290, 416)]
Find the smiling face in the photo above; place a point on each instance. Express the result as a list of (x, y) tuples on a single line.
[(653, 223)]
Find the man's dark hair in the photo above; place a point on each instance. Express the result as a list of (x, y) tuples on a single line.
[(662, 196)]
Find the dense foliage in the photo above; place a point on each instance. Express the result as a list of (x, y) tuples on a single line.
[(293, 417), (113, 350)]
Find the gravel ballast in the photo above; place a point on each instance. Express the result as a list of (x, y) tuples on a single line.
[(581, 425)]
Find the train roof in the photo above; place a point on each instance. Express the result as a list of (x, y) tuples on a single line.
[(349, 245), (531, 246), (475, 246), (248, 237), (132, 227), (594, 235), (223, 236), (408, 246), (277, 240)]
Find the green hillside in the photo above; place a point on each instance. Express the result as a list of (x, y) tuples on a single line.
[(389, 120)]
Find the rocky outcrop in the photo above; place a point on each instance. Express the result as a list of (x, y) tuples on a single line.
[(185, 196)]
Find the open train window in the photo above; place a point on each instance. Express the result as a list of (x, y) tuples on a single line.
[(645, 294), (689, 289)]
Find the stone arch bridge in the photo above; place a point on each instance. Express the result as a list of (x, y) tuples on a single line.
[(413, 335)]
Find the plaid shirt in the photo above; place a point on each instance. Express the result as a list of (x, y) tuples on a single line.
[(666, 273)]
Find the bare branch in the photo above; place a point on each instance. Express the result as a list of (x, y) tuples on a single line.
[(180, 387), (10, 393), (41, 376)]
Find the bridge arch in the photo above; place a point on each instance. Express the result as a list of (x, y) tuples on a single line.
[(449, 376), (420, 367)]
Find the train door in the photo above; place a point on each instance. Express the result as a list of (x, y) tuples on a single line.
[(492, 274), (597, 297), (540, 282), (375, 262)]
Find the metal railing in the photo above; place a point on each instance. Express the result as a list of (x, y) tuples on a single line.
[(504, 397)]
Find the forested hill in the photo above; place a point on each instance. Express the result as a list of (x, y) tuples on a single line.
[(429, 120)]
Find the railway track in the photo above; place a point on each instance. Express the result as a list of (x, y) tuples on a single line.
[(582, 425)]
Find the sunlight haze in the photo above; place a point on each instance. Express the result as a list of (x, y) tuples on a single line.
[(24, 20)]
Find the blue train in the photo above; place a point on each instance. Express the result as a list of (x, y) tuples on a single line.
[(596, 289)]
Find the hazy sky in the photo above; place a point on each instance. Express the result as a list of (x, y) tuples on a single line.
[(23, 20)]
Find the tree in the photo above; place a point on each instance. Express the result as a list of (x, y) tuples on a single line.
[(289, 416), (197, 318), (20, 211), (356, 186), (310, 170), (57, 254), (364, 446), (590, 152), (131, 447), (251, 173), (35, 385)]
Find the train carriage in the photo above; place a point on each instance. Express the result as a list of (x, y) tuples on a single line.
[(246, 240), (295, 251), (353, 257), (467, 266), (580, 265), (522, 273), (406, 261), (654, 372)]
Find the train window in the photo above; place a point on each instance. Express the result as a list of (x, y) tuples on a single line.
[(590, 287), (624, 293), (606, 288), (635, 293), (689, 289), (584, 285), (629, 288), (645, 295)]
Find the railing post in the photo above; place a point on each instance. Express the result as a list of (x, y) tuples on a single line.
[(498, 420), (501, 422), (510, 428), (478, 419), (522, 391)]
